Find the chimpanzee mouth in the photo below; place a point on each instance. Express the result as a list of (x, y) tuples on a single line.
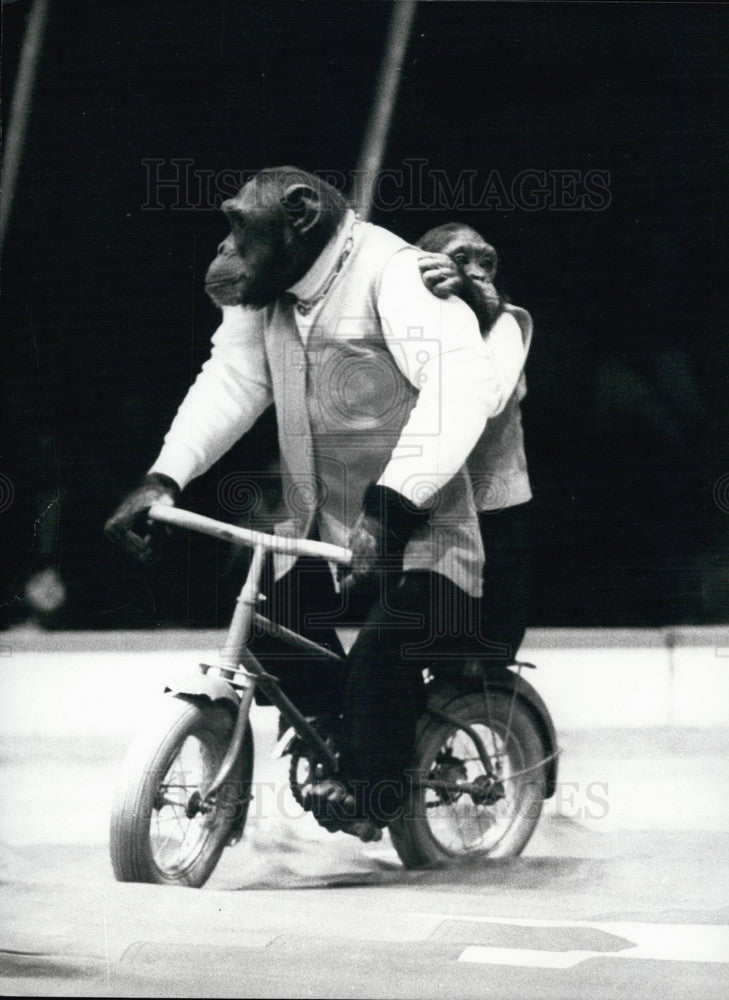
[(226, 283), (226, 293)]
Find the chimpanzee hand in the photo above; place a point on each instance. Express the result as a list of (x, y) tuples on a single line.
[(367, 541), (440, 275), (379, 537), (128, 525)]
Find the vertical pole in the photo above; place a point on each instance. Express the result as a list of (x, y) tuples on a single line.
[(378, 127), (20, 110)]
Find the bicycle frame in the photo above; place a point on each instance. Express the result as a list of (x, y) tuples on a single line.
[(237, 664), (240, 668)]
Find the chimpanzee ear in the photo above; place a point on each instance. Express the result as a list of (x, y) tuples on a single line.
[(302, 205)]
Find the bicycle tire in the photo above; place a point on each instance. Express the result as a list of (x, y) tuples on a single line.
[(436, 828), (153, 837)]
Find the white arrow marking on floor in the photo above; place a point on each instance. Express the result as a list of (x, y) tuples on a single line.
[(659, 942), (528, 958)]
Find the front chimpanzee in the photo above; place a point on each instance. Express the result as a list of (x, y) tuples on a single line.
[(381, 391), (457, 260)]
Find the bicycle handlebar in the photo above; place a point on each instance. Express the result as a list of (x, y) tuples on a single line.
[(246, 536)]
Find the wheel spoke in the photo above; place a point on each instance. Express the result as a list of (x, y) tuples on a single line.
[(177, 839), (463, 825), (163, 800)]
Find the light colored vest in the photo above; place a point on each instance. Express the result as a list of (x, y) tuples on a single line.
[(341, 404), (497, 463)]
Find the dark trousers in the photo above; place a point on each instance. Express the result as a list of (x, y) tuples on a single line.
[(420, 619), (507, 540), (423, 620)]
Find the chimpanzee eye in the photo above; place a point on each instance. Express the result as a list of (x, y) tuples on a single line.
[(460, 258), (237, 231)]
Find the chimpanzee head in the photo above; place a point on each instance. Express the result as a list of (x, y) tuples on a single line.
[(475, 260), (280, 221)]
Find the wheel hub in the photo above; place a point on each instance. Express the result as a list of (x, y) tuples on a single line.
[(194, 805), (449, 769), (486, 790)]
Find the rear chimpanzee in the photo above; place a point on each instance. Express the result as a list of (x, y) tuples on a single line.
[(458, 261)]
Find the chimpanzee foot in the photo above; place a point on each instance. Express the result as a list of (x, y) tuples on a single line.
[(334, 807), (365, 829), (331, 803)]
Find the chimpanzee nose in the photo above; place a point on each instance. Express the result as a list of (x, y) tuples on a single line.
[(226, 246)]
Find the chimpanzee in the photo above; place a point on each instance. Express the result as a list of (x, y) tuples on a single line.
[(458, 261), (381, 391)]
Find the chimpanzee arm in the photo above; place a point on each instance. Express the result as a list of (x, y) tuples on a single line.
[(438, 347), (230, 393), (507, 350)]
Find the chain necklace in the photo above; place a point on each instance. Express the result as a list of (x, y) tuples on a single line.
[(304, 306)]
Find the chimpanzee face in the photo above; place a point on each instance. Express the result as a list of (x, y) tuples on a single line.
[(254, 264), (476, 262), (475, 258), (280, 221)]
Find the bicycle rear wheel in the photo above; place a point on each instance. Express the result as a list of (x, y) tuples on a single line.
[(497, 819)]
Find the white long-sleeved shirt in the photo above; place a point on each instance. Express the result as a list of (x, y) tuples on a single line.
[(435, 343)]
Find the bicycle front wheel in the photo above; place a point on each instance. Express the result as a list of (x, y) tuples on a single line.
[(159, 833), (440, 824)]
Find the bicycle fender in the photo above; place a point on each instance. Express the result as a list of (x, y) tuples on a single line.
[(507, 680), (501, 679), (201, 686)]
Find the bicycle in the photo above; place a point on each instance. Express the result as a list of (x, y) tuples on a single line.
[(485, 754)]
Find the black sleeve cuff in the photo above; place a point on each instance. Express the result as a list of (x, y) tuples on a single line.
[(164, 482), (399, 516)]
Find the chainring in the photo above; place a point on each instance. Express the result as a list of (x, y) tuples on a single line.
[(306, 763)]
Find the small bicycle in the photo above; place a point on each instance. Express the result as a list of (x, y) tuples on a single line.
[(485, 754)]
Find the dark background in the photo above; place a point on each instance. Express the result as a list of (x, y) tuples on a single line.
[(106, 323)]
